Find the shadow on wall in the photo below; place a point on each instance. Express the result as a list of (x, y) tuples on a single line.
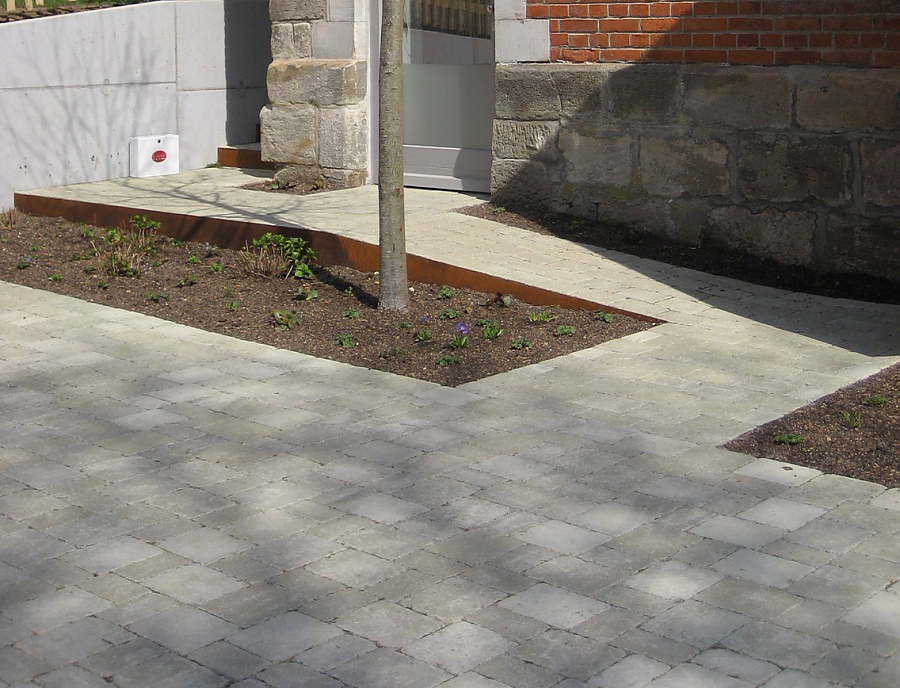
[(248, 53), (800, 165)]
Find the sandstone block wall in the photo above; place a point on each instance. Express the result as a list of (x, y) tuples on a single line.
[(797, 164), (316, 124)]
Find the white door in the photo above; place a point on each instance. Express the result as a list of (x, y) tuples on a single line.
[(448, 94)]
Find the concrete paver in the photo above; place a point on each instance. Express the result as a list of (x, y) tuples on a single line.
[(181, 508)]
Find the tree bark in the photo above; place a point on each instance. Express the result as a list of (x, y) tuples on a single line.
[(393, 289)]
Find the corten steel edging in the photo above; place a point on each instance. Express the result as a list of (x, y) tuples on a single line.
[(331, 249), (247, 158)]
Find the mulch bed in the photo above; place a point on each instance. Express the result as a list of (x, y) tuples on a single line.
[(177, 283)]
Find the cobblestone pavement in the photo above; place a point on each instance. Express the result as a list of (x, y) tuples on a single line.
[(178, 508)]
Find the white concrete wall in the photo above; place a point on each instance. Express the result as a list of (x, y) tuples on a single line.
[(74, 88)]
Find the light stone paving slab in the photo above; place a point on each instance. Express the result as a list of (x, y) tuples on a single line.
[(567, 524)]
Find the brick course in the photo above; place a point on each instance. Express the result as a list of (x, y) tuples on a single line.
[(864, 33)]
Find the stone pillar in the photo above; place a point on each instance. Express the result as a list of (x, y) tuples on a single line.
[(316, 124)]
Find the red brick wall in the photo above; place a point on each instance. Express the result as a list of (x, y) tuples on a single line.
[(766, 32)]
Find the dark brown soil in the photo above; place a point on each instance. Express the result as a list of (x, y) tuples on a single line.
[(177, 282), (870, 451)]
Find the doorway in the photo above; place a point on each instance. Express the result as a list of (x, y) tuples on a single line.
[(448, 94)]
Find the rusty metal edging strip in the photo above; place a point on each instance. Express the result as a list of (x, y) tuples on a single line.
[(330, 248)]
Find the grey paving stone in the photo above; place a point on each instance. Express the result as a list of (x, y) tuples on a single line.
[(55, 609), (576, 575), (778, 472), (389, 624), (339, 603), (474, 547), (112, 554), (459, 647), (674, 580), (120, 657), (510, 625), (754, 671), (510, 671), (563, 537), (782, 513), (656, 647), (25, 548), (194, 584), (845, 665), (453, 599), (71, 677), (567, 654), (294, 675), (228, 660), (19, 667), (694, 676), (696, 623), (553, 605), (778, 645), (790, 678), (292, 551), (74, 641), (383, 508), (204, 545), (284, 636), (837, 585), (881, 612), (634, 671), (356, 569), (737, 531), (613, 518), (763, 568), (332, 653), (182, 628), (386, 668)]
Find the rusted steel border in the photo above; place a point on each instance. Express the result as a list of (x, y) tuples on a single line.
[(331, 249)]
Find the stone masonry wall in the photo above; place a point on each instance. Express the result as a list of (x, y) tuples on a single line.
[(316, 124), (797, 164)]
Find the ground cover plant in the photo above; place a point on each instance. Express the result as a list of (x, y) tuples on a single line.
[(273, 292)]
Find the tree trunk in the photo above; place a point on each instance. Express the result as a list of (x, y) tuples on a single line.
[(393, 289)]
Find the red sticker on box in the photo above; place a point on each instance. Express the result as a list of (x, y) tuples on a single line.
[(159, 156)]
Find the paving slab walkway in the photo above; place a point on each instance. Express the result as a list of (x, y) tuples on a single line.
[(178, 508)]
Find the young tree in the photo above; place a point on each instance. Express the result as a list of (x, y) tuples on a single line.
[(393, 290)]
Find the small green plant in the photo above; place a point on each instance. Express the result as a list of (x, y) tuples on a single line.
[(875, 400), (177, 243), (193, 260), (103, 284), (80, 256), (499, 210), (55, 277), (564, 331), (113, 237), (460, 338), (402, 325), (492, 331), (604, 316), (188, 281), (234, 305), (448, 360), (306, 294), (424, 334), (851, 419), (393, 352), (520, 343), (351, 313), (345, 340), (157, 296), (159, 263), (211, 251), (790, 438), (277, 254), (141, 223), (216, 268), (34, 249), (505, 300), (284, 319), (541, 316), (229, 292), (445, 293), (348, 291), (23, 263), (449, 314), (87, 232)]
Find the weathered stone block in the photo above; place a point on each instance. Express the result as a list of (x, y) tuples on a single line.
[(526, 93), (580, 87), (881, 171), (739, 97), (523, 182), (783, 170), (291, 40), (672, 167), (647, 217), (296, 10), (317, 82), (855, 244), (343, 138), (600, 161), (525, 140), (644, 93), (842, 99), (288, 134), (784, 236)]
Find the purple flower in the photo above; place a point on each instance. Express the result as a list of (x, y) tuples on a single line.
[(462, 328), (424, 319)]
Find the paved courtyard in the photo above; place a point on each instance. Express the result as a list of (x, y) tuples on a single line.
[(179, 508)]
